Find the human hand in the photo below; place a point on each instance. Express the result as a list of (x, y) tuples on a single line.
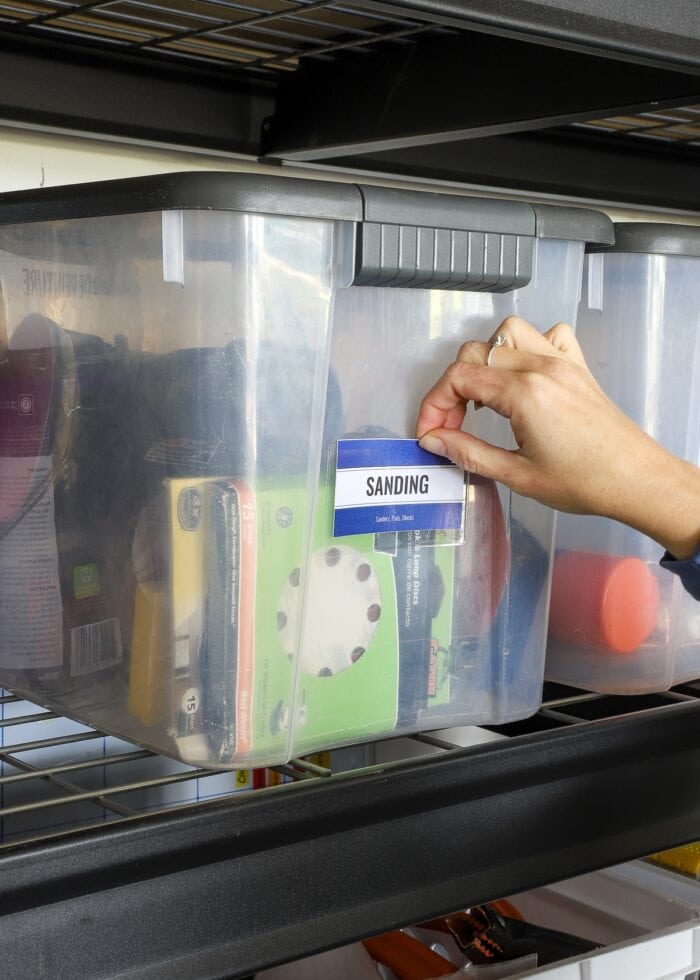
[(576, 452)]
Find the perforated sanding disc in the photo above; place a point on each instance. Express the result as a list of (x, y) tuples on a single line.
[(344, 605)]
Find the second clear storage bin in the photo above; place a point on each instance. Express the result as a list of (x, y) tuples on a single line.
[(619, 623), (180, 356)]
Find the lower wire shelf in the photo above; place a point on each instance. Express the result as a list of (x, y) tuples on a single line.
[(116, 861)]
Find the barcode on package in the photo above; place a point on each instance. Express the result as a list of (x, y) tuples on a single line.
[(95, 646)]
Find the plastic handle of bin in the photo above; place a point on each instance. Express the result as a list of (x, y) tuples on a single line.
[(427, 257)]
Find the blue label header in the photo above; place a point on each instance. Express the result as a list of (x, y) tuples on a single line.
[(393, 485), (366, 453)]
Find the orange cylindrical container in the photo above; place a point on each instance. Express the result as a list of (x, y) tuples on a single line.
[(604, 602)]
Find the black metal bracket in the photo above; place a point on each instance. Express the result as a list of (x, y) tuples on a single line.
[(660, 35), (590, 166), (67, 86), (454, 87)]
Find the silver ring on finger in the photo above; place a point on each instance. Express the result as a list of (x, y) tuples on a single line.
[(498, 341)]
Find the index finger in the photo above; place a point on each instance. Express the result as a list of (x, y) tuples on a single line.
[(445, 404)]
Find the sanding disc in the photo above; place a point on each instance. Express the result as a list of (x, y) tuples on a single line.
[(343, 607)]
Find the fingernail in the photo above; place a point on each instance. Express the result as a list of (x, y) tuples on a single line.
[(432, 444)]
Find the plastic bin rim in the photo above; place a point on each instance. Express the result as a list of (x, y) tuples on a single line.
[(187, 191), (656, 238), (394, 206), (300, 197)]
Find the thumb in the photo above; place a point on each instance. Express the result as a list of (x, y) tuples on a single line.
[(474, 454)]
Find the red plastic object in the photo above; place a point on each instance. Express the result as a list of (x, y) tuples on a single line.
[(604, 602), (483, 561)]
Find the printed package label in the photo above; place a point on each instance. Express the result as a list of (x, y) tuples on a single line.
[(394, 485)]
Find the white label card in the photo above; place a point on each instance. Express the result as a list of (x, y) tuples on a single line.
[(394, 485)]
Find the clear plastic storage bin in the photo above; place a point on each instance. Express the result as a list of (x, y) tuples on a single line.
[(619, 623), (172, 394)]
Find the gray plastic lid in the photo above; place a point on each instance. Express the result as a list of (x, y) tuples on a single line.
[(308, 198), (425, 209), (654, 238), (573, 224), (460, 213), (188, 191)]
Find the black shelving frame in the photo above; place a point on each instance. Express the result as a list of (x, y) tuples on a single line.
[(597, 167), (486, 92), (225, 888), (477, 92)]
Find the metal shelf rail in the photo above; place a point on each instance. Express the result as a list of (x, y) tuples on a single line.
[(147, 886)]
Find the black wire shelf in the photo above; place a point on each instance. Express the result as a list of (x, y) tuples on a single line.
[(228, 885)]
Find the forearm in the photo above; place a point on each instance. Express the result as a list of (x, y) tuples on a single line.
[(661, 498)]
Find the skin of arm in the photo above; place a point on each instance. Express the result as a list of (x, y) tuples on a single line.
[(577, 452)]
